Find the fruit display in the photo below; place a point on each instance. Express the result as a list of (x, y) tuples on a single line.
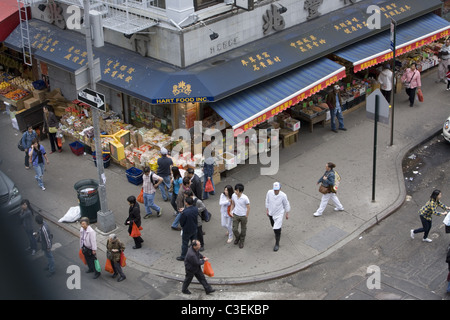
[(17, 94), (22, 83)]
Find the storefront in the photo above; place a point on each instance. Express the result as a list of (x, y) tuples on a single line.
[(285, 75)]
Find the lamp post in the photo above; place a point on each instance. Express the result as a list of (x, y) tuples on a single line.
[(105, 217)]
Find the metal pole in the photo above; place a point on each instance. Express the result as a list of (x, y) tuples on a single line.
[(105, 219), (375, 133), (393, 84)]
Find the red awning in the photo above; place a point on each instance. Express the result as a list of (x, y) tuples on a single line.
[(9, 17)]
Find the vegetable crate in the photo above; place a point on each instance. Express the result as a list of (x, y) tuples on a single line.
[(134, 175), (77, 148)]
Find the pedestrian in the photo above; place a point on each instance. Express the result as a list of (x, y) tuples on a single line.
[(45, 237), (277, 204), (88, 245), (448, 262), (448, 77), (328, 181), (27, 140), (444, 61), (208, 172), (201, 208), (334, 102), (188, 222), (151, 181), (185, 186), (426, 212), (196, 183), (385, 80), (37, 154), (226, 217), (26, 217), (411, 81), (193, 266), (134, 216), (114, 248), (164, 164), (176, 182), (51, 125), (240, 207)]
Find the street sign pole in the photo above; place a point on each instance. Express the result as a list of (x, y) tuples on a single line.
[(393, 44), (375, 133), (105, 217)]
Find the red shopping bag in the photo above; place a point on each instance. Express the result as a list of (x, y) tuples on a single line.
[(135, 231), (420, 95), (140, 197), (81, 255), (207, 269), (208, 186), (108, 266)]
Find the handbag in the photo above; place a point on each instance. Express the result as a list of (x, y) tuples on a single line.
[(108, 266), (323, 189), (82, 257), (20, 146), (52, 129), (206, 215), (420, 95), (140, 197), (207, 269), (123, 259), (209, 186), (135, 231), (229, 211), (98, 268)]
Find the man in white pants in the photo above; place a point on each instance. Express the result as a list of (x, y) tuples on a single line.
[(277, 204)]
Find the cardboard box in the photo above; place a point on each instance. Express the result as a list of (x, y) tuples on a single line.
[(40, 94), (31, 102), (216, 178)]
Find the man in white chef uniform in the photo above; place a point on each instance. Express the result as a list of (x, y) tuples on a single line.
[(277, 204)]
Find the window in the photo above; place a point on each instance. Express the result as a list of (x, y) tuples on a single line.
[(202, 4)]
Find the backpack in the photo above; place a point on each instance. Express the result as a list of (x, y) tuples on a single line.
[(337, 181)]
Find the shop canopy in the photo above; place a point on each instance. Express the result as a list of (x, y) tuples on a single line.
[(9, 17), (225, 74), (250, 107), (409, 36)]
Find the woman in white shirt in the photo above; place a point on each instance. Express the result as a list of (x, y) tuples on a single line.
[(226, 215)]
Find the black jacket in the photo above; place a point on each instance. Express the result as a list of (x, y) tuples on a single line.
[(134, 214), (193, 261), (188, 220), (196, 187)]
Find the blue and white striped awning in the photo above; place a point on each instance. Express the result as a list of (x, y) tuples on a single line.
[(257, 104), (409, 36)]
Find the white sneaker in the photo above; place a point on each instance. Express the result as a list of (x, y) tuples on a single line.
[(427, 240), (316, 214), (412, 233), (229, 240), (43, 188), (339, 209)]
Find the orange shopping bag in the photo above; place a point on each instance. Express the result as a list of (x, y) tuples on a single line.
[(123, 260), (81, 255), (420, 95), (140, 197), (135, 231), (108, 266), (207, 269)]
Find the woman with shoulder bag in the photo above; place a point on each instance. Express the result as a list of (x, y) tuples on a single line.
[(411, 81), (51, 125), (134, 216), (115, 247), (326, 183), (88, 245)]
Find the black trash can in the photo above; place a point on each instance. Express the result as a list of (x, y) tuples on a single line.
[(88, 198)]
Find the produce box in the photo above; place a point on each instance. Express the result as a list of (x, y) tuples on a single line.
[(31, 102)]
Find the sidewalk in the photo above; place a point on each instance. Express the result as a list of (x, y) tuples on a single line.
[(305, 239)]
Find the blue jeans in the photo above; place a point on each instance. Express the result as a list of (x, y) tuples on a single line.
[(185, 242), (165, 184), (176, 222), (336, 113), (149, 203), (39, 169), (51, 260)]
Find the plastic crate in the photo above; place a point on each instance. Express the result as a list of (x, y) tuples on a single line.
[(134, 175), (77, 148)]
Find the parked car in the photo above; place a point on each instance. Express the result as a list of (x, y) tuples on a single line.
[(446, 129), (10, 197)]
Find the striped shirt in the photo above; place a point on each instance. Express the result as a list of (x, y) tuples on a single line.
[(147, 185), (430, 208)]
